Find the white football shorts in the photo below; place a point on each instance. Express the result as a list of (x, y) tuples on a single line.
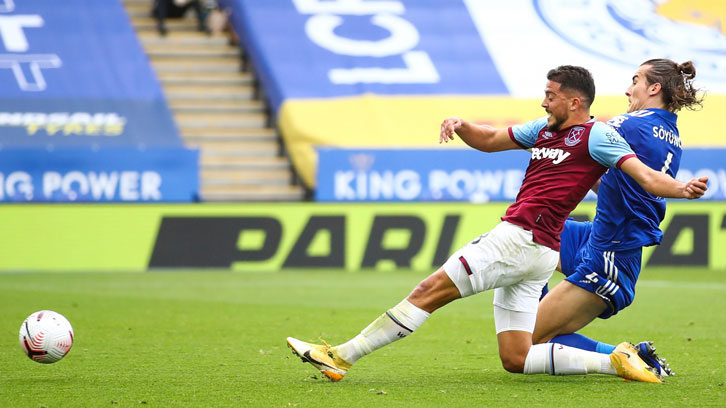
[(505, 259)]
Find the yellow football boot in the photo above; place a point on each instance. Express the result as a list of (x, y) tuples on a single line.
[(323, 357), (630, 366)]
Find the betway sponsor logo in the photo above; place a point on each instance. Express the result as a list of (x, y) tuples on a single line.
[(544, 153)]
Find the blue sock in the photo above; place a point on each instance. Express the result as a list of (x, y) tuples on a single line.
[(583, 343), (604, 348)]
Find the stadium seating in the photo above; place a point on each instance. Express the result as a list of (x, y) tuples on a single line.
[(218, 109)]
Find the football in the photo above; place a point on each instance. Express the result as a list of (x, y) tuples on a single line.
[(46, 336)]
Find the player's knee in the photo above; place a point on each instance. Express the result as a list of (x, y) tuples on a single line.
[(513, 363), (428, 287), (539, 338), (422, 291), (513, 359)]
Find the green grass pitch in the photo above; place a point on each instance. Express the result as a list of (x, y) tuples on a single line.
[(216, 339)]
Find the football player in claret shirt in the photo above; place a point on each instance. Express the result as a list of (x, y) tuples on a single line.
[(570, 151), (602, 259)]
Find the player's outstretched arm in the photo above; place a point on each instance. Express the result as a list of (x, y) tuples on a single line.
[(661, 184), (480, 137)]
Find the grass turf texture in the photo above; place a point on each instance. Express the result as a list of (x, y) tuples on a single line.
[(218, 339)]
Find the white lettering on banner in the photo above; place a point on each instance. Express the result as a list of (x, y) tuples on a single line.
[(129, 187), (102, 184), (402, 185), (477, 186), (353, 7), (150, 185), (16, 182), (34, 63), (382, 185), (716, 181), (11, 30), (320, 28), (7, 6), (125, 185), (341, 185), (419, 70), (460, 184), (14, 40)]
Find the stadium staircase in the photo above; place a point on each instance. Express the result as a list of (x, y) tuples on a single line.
[(217, 105)]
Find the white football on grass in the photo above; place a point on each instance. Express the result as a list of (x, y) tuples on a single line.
[(46, 336)]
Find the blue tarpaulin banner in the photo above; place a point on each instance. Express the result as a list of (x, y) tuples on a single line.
[(76, 69), (82, 115), (460, 175), (320, 49)]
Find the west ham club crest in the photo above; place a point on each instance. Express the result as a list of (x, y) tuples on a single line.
[(575, 136)]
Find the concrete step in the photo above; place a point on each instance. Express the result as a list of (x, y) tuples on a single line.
[(243, 135), (252, 193), (220, 120), (192, 51), (253, 177), (179, 105), (213, 106), (229, 78), (210, 65), (175, 38), (228, 133), (208, 163), (237, 149), (138, 9), (195, 92), (172, 24)]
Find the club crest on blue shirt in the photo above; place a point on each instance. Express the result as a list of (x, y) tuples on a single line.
[(575, 136)]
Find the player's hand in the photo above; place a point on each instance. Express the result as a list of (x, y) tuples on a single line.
[(695, 188), (448, 127)]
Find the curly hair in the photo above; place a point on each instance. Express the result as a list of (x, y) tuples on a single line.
[(676, 81)]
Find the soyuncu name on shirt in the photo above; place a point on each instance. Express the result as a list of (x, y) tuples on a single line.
[(667, 135), (557, 155)]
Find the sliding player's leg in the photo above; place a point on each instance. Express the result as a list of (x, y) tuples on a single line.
[(514, 317), (396, 323)]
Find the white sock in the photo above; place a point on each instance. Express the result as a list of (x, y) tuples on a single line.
[(396, 323), (556, 359)]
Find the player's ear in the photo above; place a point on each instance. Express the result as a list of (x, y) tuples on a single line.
[(575, 103), (654, 88)]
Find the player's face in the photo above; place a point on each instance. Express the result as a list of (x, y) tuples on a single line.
[(556, 104), (638, 91)]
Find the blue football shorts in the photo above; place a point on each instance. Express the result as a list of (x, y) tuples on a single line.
[(608, 274)]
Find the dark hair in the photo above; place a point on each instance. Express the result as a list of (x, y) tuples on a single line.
[(577, 78), (676, 81)]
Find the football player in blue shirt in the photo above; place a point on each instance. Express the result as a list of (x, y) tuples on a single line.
[(601, 260)]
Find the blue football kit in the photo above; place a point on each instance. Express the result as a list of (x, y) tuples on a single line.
[(604, 257)]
